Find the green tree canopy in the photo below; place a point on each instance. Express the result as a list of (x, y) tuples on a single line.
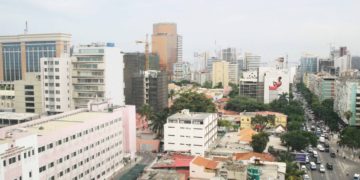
[(259, 142), (193, 101), (350, 137), (241, 104), (298, 140)]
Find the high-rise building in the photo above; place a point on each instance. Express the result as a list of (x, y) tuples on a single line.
[(201, 61), (78, 144), (190, 131), (97, 73), (56, 84), (28, 94), (229, 55), (151, 88), (309, 64), (20, 54), (234, 73), (167, 44), (220, 73), (181, 71), (251, 61), (249, 86)]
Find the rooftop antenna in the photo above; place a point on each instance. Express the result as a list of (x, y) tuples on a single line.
[(26, 28)]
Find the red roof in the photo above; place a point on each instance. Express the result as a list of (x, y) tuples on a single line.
[(174, 161), (249, 155), (208, 164)]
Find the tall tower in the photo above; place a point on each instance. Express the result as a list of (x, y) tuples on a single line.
[(165, 43)]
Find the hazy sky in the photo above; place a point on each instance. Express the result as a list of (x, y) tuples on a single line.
[(270, 28)]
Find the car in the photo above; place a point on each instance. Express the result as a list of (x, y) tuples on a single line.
[(307, 160), (318, 161), (327, 149), (356, 177), (315, 154), (320, 148), (329, 166), (333, 155), (322, 168), (303, 168), (313, 166), (306, 177), (326, 145)]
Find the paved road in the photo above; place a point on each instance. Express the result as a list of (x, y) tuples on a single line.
[(341, 166), (131, 171)]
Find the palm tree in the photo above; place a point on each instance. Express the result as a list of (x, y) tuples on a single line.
[(158, 121)]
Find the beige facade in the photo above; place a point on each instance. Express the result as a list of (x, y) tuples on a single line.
[(44, 41), (165, 44), (28, 96), (220, 73)]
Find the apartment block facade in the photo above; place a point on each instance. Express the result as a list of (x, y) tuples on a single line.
[(97, 72), (28, 94), (190, 132), (56, 84), (220, 73), (79, 144)]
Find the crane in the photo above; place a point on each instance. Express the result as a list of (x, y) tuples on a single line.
[(146, 42)]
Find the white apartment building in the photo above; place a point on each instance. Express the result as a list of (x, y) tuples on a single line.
[(78, 144), (97, 72), (56, 84), (190, 131), (181, 71), (234, 73)]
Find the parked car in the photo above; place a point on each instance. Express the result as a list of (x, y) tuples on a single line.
[(329, 166), (356, 177), (327, 149), (322, 168), (306, 177), (313, 166), (333, 155)]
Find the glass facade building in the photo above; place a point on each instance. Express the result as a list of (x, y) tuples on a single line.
[(11, 55), (37, 50)]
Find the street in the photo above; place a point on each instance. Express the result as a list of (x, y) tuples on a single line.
[(343, 168)]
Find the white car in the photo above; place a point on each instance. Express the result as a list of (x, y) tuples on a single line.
[(322, 168), (306, 177), (356, 177), (303, 168), (320, 148)]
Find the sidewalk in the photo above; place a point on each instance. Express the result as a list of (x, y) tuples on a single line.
[(344, 151)]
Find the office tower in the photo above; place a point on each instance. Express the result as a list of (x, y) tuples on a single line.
[(309, 64), (200, 61), (185, 131), (79, 144), (251, 61), (97, 73), (322, 85), (179, 49), (326, 65), (151, 88), (56, 84), (355, 62), (234, 73), (229, 55), (181, 71), (28, 94), (167, 44), (134, 66), (249, 86), (220, 73), (20, 54)]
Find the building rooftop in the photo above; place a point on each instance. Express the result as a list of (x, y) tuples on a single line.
[(17, 116), (185, 114), (173, 161), (246, 135), (263, 113), (251, 155), (208, 164)]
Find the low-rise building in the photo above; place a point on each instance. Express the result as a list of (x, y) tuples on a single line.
[(28, 94), (190, 132), (246, 119), (7, 96), (79, 144), (202, 168)]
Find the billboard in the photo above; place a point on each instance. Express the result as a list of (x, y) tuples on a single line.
[(276, 82)]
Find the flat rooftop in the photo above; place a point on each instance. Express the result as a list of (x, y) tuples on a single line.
[(17, 116), (61, 123), (191, 115)]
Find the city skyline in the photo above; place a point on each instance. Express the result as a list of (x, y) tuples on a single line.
[(269, 29)]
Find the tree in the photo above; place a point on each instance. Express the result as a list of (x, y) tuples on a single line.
[(146, 111), (298, 140), (171, 94), (294, 126), (219, 85), (259, 122), (224, 123), (158, 121), (207, 85), (348, 115), (240, 104), (350, 137), (259, 142), (193, 101)]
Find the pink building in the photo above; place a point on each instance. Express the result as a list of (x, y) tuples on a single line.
[(80, 144)]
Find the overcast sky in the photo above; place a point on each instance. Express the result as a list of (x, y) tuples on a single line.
[(270, 28)]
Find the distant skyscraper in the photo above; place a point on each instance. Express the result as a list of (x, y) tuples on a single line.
[(21, 53), (309, 64), (97, 73), (220, 73), (252, 62), (229, 55), (181, 71), (56, 84), (167, 44), (234, 73)]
